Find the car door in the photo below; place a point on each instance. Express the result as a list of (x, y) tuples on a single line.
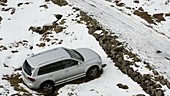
[(54, 71), (74, 69)]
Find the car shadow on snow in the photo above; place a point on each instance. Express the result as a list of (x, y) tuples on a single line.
[(77, 81), (16, 81)]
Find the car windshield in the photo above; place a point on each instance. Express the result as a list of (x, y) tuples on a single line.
[(27, 68), (74, 54)]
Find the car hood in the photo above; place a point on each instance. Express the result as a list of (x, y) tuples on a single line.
[(89, 55)]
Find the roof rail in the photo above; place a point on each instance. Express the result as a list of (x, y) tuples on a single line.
[(45, 51)]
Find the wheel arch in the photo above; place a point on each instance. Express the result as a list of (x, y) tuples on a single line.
[(46, 82), (91, 67)]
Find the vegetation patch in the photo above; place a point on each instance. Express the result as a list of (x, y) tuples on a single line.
[(41, 45), (145, 16), (44, 6), (122, 86), (2, 48), (151, 19), (167, 14), (48, 28), (159, 17), (12, 9), (136, 1), (14, 80), (60, 2)]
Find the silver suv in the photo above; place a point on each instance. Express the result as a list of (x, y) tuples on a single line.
[(60, 65)]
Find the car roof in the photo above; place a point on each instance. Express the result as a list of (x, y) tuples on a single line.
[(47, 56)]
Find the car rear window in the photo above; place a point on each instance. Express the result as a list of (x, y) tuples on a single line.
[(27, 68)]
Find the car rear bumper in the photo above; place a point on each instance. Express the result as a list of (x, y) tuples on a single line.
[(27, 83)]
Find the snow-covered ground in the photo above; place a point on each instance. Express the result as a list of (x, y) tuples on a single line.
[(15, 35), (132, 30)]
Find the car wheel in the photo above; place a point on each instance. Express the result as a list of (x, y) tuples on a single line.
[(47, 86), (93, 72)]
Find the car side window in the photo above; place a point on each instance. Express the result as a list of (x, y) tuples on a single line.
[(69, 63), (50, 68)]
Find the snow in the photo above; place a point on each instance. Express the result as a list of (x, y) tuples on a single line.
[(140, 39), (14, 28), (106, 85)]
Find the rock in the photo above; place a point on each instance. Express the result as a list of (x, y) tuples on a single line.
[(46, 27), (0, 19), (157, 86), (157, 78), (168, 84), (114, 58), (3, 47), (130, 71), (138, 79), (58, 29), (44, 6), (136, 59), (122, 86), (140, 95), (14, 51), (134, 74), (155, 72), (120, 59), (120, 54), (5, 65), (136, 1), (163, 81), (58, 16), (36, 29), (31, 47), (148, 91), (150, 83), (113, 52), (60, 2), (159, 92), (91, 30), (144, 87), (19, 4), (158, 51), (96, 36), (47, 0), (159, 17), (119, 49), (125, 70), (41, 45), (4, 1), (117, 64), (147, 76), (153, 92)]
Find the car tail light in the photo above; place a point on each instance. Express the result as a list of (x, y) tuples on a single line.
[(31, 79)]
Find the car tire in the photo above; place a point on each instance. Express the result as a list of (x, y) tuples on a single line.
[(93, 72), (47, 86)]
